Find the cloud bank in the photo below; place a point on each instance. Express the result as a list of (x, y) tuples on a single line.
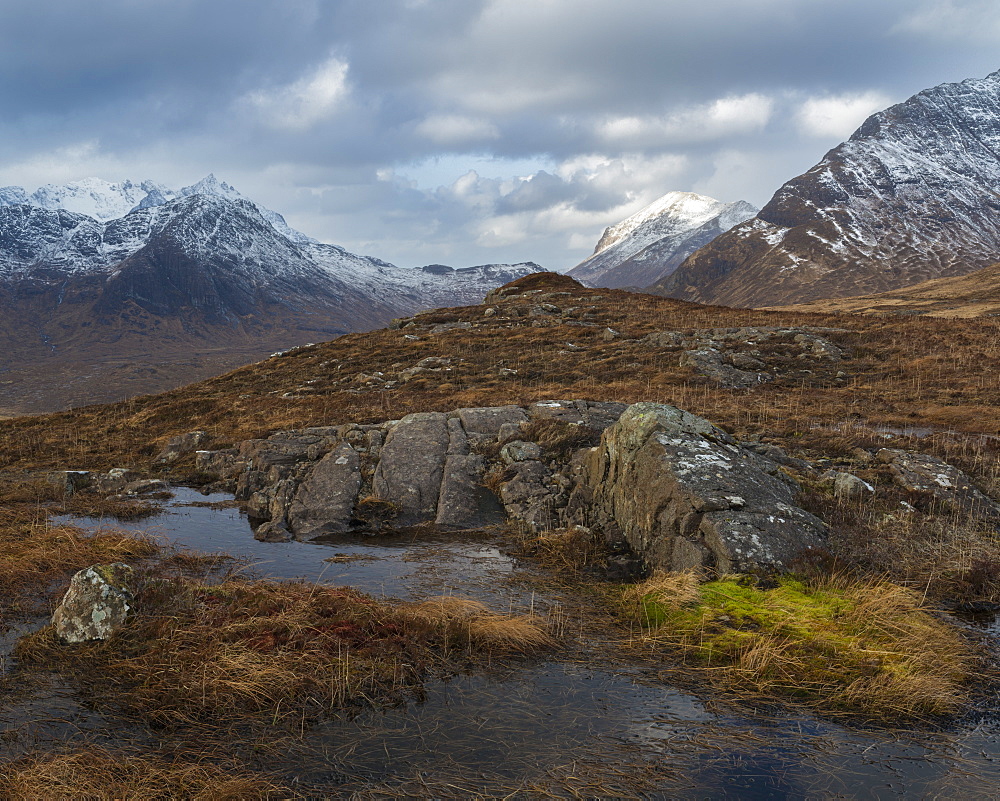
[(464, 131)]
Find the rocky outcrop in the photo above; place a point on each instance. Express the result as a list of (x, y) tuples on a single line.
[(182, 445), (428, 468), (96, 605), (683, 494), (929, 475), (743, 358), (650, 480)]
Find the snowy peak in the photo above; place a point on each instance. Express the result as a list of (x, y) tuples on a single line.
[(103, 200), (911, 196), (210, 185), (683, 209), (650, 244), (93, 197)]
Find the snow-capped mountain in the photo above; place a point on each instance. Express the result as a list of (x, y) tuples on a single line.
[(103, 200), (913, 195), (181, 273), (649, 245)]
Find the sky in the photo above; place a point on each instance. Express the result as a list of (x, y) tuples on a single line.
[(464, 132)]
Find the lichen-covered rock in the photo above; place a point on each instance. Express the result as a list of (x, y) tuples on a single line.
[(69, 481), (528, 495), (709, 363), (96, 605), (683, 494), (919, 472), (487, 422), (520, 451), (145, 486)]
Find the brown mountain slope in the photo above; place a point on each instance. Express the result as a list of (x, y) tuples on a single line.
[(911, 196), (897, 371), (973, 295)]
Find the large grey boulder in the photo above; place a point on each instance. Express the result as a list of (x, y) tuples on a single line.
[(325, 501), (683, 494), (411, 466), (487, 422), (463, 501), (919, 472), (96, 605)]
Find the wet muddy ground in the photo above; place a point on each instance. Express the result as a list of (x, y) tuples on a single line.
[(591, 719)]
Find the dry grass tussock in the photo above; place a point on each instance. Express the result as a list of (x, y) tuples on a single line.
[(467, 622), (945, 557), (563, 551), (244, 650), (95, 773), (34, 554), (266, 652), (865, 648)]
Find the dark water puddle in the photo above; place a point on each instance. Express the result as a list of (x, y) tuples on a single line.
[(574, 724), (398, 566)]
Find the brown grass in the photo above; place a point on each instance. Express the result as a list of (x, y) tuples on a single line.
[(467, 621), (34, 554), (244, 650), (942, 556), (559, 438), (96, 773), (268, 652), (566, 551), (902, 370)]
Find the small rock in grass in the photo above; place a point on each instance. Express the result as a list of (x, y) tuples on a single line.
[(96, 605)]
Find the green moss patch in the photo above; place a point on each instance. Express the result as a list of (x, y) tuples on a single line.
[(867, 648)]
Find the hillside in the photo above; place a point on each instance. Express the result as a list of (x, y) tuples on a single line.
[(911, 196), (974, 295), (479, 495), (522, 353)]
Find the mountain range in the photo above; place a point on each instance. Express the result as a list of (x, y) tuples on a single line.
[(652, 243), (153, 288), (913, 195)]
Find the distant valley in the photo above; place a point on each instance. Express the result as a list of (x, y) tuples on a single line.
[(152, 289)]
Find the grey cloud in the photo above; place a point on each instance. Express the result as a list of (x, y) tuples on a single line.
[(625, 84)]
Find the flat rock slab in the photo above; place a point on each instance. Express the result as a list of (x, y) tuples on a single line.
[(486, 422), (683, 494), (464, 502), (411, 466)]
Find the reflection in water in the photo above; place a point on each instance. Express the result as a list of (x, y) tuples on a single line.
[(583, 722)]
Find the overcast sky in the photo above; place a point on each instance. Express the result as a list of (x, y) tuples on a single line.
[(464, 131)]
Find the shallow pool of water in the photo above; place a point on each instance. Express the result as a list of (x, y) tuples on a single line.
[(581, 721)]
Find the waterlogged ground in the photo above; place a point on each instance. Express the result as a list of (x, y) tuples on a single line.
[(587, 720)]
